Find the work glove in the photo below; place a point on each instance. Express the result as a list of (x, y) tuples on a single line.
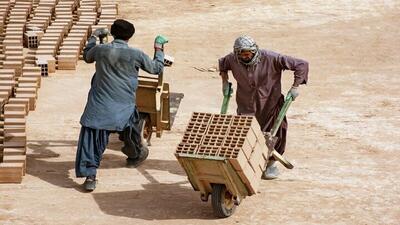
[(159, 42), (100, 32), (294, 92)]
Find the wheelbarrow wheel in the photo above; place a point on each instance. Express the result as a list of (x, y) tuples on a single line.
[(222, 201), (145, 129)]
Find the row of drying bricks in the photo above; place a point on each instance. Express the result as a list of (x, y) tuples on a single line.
[(12, 44), (77, 34), (13, 138), (72, 46)]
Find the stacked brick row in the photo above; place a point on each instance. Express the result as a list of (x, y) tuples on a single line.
[(4, 11), (38, 22), (13, 40), (53, 36), (19, 82), (238, 139), (17, 99), (75, 41), (88, 20), (46, 28), (42, 15), (108, 13), (14, 141)]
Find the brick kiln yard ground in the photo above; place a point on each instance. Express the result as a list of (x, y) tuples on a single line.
[(343, 137)]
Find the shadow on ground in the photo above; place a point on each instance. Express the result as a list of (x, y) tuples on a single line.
[(155, 202), (174, 101), (42, 163)]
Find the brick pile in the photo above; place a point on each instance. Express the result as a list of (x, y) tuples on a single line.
[(89, 18), (49, 29), (237, 139), (73, 44), (15, 99)]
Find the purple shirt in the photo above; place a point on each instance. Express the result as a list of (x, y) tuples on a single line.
[(259, 86)]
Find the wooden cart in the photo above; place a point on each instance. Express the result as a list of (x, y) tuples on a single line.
[(227, 179), (211, 175), (152, 99)]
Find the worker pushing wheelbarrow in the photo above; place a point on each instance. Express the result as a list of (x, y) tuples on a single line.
[(229, 178), (258, 74)]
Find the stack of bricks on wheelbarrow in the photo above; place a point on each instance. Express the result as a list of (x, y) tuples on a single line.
[(238, 139)]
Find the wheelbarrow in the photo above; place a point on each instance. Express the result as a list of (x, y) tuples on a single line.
[(153, 103), (215, 176)]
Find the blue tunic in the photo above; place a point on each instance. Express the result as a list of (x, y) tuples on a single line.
[(112, 96)]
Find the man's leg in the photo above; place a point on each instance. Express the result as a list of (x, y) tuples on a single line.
[(91, 146), (267, 122), (134, 148)]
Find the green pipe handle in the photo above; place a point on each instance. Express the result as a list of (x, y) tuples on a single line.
[(227, 96), (282, 114)]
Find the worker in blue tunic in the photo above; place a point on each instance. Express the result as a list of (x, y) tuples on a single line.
[(111, 103)]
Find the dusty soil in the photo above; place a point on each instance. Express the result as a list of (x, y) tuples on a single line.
[(343, 135)]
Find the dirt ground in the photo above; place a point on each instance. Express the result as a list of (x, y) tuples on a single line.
[(343, 130)]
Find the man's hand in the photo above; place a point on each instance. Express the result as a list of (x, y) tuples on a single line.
[(100, 32), (225, 82), (294, 91), (159, 42), (225, 88)]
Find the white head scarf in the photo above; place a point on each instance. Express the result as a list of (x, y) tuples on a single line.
[(246, 43)]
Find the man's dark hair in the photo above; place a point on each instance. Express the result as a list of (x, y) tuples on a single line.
[(122, 29)]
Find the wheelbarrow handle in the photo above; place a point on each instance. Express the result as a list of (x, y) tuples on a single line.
[(227, 96), (282, 114), (274, 130)]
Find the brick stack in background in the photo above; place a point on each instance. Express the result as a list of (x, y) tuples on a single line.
[(49, 30), (13, 41), (107, 14), (13, 110), (75, 41), (52, 38), (238, 139)]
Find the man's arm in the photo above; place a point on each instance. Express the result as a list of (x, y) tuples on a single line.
[(299, 66), (155, 66), (225, 82), (89, 50), (224, 66)]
